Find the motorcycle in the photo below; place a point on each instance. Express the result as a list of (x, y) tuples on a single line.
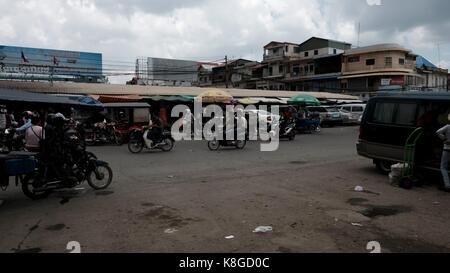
[(103, 133), (288, 130), (123, 133), (215, 144), (139, 139), (71, 169)]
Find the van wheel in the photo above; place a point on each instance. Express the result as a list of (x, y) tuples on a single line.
[(383, 166)]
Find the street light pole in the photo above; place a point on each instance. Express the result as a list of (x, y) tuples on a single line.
[(226, 71)]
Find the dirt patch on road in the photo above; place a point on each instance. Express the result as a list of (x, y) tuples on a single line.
[(167, 216), (384, 211), (357, 201), (56, 227)]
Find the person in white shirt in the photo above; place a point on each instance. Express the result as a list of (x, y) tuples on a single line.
[(33, 136)]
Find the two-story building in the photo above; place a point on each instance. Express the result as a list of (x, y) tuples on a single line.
[(276, 55), (317, 67), (379, 67), (205, 74), (234, 74)]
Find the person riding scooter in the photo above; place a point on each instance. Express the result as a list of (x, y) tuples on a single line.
[(155, 131)]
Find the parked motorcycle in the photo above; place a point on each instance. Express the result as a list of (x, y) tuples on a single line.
[(139, 139), (123, 133), (103, 133), (287, 130)]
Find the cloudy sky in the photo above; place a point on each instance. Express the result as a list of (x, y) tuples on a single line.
[(209, 29)]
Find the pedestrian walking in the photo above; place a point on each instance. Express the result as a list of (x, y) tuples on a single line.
[(444, 135)]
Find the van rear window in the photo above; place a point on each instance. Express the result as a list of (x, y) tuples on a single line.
[(406, 114), (384, 113), (395, 113)]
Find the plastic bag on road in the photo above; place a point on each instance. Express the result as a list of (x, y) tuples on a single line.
[(396, 173), (263, 229)]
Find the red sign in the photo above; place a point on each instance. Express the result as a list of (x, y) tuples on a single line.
[(398, 80)]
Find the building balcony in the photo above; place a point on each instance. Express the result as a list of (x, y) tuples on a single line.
[(273, 57)]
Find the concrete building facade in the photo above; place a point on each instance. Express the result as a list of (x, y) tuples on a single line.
[(379, 67)]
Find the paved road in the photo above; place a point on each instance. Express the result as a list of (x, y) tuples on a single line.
[(189, 200)]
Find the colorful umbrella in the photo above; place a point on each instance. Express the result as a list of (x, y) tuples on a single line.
[(304, 100), (215, 96)]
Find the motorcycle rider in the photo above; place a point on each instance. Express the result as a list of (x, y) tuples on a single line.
[(34, 135), (154, 132), (27, 115)]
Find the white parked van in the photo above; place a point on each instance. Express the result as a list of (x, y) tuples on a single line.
[(354, 112)]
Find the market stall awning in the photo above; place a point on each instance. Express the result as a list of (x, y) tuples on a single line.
[(18, 96), (83, 99), (171, 98), (215, 96), (304, 100), (112, 99), (248, 101), (127, 105)]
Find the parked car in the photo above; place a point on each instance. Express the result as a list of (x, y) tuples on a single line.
[(347, 117), (352, 112), (330, 116)]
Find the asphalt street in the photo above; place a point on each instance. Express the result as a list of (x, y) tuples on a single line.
[(191, 199)]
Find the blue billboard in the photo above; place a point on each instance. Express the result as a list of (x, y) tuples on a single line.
[(36, 63)]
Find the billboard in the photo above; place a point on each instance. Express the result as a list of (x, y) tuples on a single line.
[(36, 63)]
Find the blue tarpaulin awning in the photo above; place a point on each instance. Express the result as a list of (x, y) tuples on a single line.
[(13, 95)]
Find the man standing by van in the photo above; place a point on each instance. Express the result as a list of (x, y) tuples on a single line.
[(444, 134)]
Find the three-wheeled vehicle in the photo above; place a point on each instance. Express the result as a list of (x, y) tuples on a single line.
[(127, 117)]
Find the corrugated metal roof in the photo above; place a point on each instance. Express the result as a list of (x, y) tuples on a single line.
[(423, 63)]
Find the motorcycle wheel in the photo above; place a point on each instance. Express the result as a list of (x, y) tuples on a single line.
[(135, 146), (28, 188), (240, 144), (100, 178), (214, 145), (168, 145), (119, 139)]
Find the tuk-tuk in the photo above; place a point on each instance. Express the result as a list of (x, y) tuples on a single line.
[(128, 116)]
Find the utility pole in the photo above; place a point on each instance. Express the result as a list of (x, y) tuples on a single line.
[(359, 34), (439, 54), (226, 71)]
